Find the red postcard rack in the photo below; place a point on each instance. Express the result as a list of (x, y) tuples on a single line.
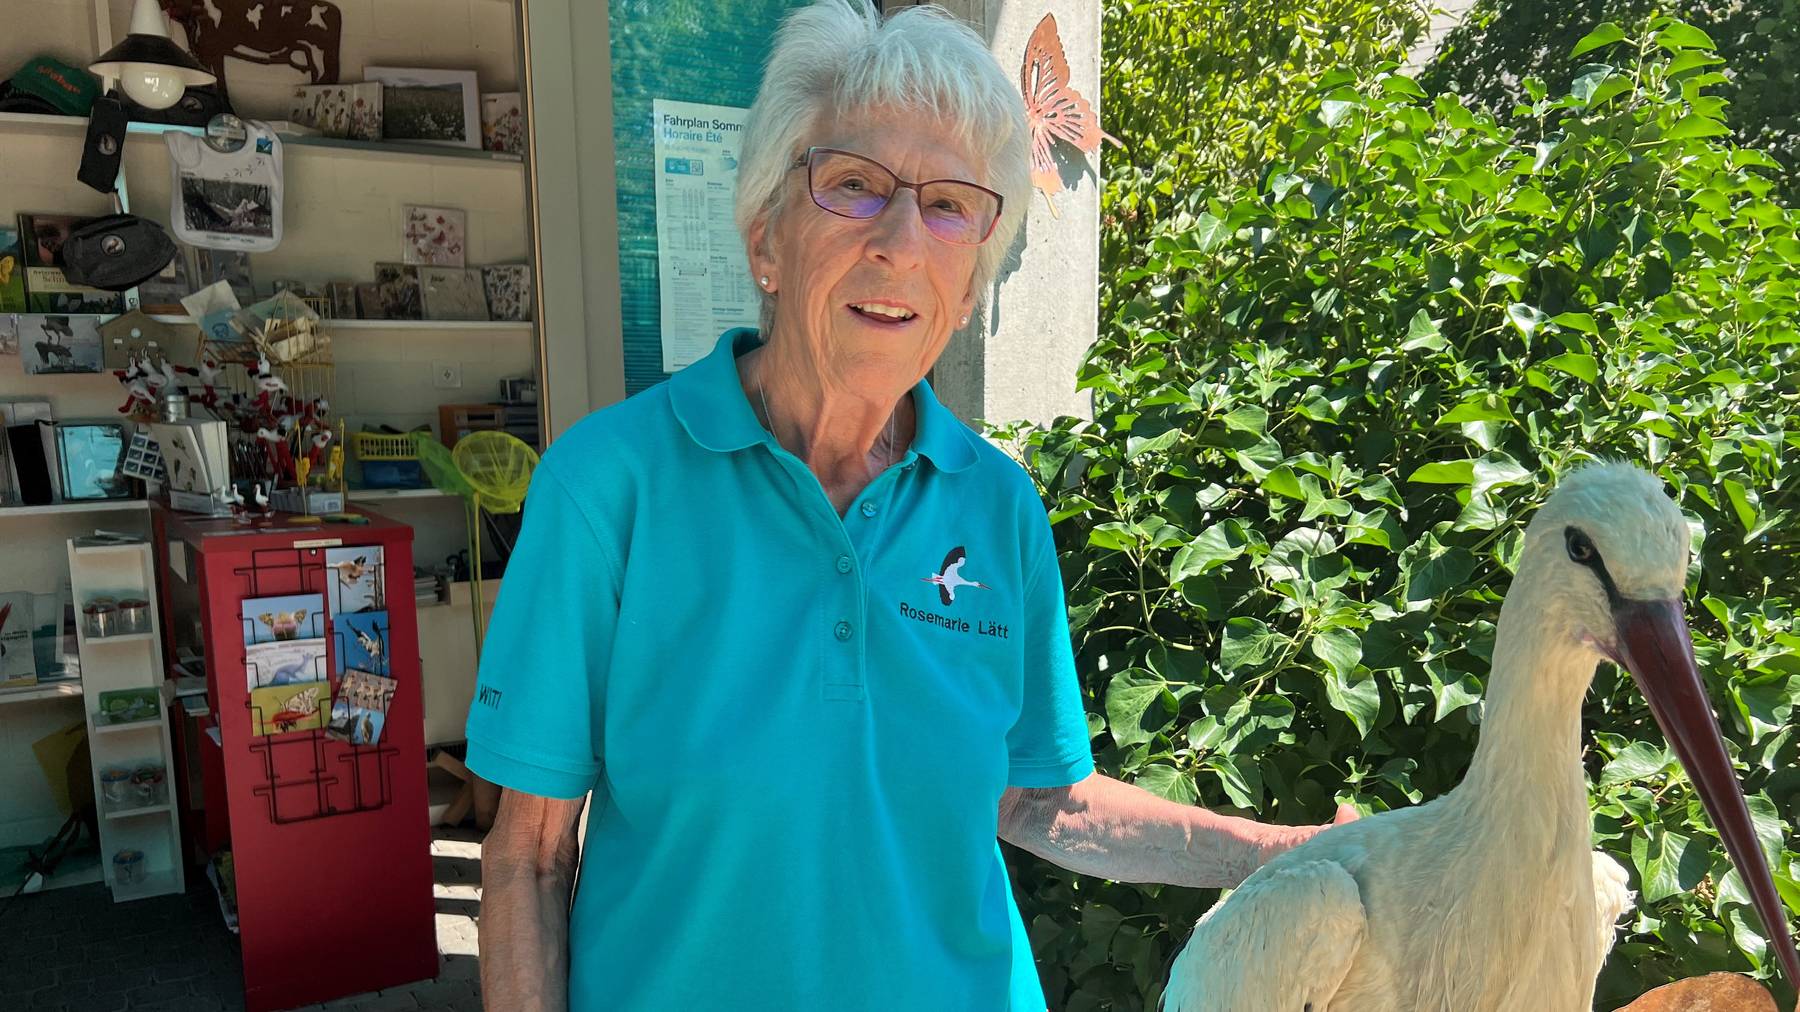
[(330, 841)]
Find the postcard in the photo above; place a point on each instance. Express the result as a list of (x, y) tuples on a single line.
[(359, 710), (356, 580), (282, 708), (284, 662), (362, 641), (289, 617)]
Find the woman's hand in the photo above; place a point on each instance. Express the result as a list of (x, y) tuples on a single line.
[(1281, 839)]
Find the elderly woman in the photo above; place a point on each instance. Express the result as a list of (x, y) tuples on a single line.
[(798, 630)]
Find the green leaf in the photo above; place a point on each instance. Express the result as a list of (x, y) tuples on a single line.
[(1679, 35), (1582, 367), (1282, 481), (1137, 446), (1340, 649), (1334, 111), (1693, 125), (1451, 472), (1441, 571), (1423, 333), (1357, 697), (1247, 642), (1248, 418), (1485, 408), (1577, 321), (1209, 232), (1605, 35), (1138, 706), (1527, 318), (1167, 782), (1215, 546), (1638, 761), (1747, 512)]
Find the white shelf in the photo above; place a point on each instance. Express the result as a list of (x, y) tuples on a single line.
[(77, 869), (76, 126), (156, 883), (136, 725), (132, 813), (97, 506), (128, 546), (332, 324), (66, 689)]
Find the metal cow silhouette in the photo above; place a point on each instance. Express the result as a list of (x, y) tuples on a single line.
[(303, 34)]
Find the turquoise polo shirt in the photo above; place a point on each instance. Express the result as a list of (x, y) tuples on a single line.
[(796, 727)]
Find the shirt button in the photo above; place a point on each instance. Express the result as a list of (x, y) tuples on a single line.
[(868, 509), (844, 563), (842, 630)]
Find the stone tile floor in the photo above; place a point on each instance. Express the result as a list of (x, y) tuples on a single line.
[(87, 954)]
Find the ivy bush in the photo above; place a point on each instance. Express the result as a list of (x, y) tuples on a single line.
[(1501, 42), (1327, 398)]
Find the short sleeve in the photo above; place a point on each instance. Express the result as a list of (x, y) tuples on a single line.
[(534, 724), (1048, 745)]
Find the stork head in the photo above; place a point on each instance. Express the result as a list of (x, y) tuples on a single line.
[(1607, 558)]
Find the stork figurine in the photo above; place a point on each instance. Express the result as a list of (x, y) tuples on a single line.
[(1489, 899)]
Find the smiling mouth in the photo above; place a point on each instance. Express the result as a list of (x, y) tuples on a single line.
[(880, 313)]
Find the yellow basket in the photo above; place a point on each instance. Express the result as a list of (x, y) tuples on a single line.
[(382, 446)]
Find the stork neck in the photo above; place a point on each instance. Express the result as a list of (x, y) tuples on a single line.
[(1531, 728)]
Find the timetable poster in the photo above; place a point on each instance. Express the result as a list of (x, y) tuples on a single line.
[(704, 274)]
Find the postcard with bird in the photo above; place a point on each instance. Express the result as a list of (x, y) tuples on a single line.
[(362, 641), (284, 662), (289, 617), (279, 709), (359, 710), (355, 579)]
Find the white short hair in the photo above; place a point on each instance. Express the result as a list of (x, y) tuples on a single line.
[(840, 56)]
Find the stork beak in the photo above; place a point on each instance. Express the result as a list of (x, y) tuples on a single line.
[(1655, 647)]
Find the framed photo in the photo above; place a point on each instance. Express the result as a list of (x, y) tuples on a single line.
[(397, 292), (452, 293), (503, 122), (342, 297), (509, 294), (434, 235), (89, 454), (368, 303), (229, 266), (164, 292), (54, 344), (347, 111), (429, 106)]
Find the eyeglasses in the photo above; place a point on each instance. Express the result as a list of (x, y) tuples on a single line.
[(851, 186)]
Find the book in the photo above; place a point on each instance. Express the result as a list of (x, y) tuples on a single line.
[(12, 271), (18, 662)]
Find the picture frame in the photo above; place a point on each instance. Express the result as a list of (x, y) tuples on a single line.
[(503, 122), (434, 235), (397, 292), (90, 453), (345, 111), (452, 293), (509, 292), (429, 106), (342, 299)]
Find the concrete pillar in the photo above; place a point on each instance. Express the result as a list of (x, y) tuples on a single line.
[(1018, 358)]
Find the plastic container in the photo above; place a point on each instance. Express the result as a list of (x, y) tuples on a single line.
[(100, 617), (134, 615), (392, 474), (128, 867), (115, 784), (147, 783)]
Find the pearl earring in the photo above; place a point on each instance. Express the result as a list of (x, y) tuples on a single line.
[(765, 281), (965, 322)]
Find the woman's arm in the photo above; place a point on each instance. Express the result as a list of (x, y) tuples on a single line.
[(528, 867), (1116, 831)]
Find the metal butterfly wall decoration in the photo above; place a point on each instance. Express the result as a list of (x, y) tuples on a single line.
[(1054, 110)]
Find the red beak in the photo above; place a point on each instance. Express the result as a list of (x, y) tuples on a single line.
[(1655, 647)]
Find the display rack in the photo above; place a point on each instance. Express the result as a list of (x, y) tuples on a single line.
[(330, 841), (133, 820)]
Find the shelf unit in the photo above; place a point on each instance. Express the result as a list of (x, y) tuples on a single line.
[(78, 125), (128, 661), (59, 508), (67, 688)]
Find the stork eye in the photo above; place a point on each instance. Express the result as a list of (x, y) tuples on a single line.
[(1581, 548)]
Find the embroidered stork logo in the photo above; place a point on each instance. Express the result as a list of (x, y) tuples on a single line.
[(950, 577)]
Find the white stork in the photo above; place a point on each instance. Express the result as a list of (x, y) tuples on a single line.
[(949, 576), (1489, 898)]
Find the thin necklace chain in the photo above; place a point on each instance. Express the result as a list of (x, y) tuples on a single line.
[(769, 420)]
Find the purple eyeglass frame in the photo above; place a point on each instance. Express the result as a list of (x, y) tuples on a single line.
[(806, 160)]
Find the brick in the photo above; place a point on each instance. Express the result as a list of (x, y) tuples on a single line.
[(157, 992), (387, 1001)]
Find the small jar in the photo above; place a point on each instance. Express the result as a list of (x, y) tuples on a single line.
[(174, 406), (115, 784), (134, 615), (147, 784), (128, 867), (101, 618)]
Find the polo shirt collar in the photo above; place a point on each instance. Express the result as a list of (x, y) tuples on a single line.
[(710, 403)]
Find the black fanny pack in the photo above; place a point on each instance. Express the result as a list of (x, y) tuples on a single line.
[(116, 252)]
